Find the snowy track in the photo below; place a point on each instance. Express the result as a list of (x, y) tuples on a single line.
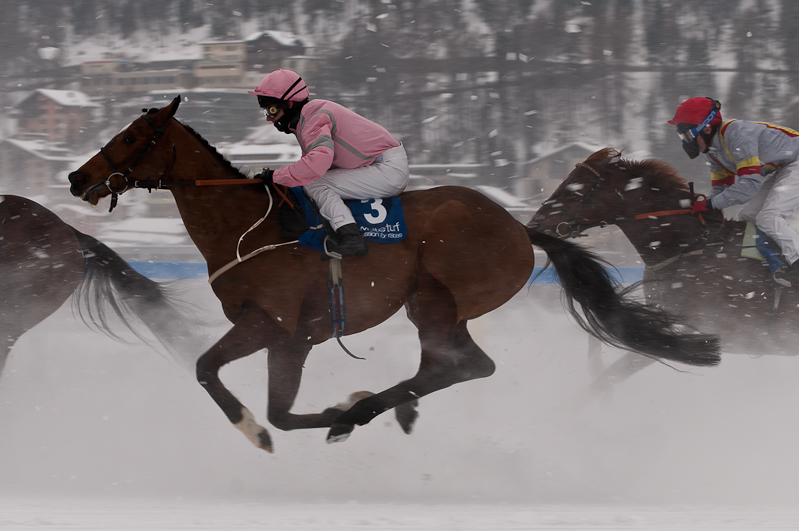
[(98, 435), (79, 514)]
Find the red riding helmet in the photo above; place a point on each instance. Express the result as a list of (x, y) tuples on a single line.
[(694, 111)]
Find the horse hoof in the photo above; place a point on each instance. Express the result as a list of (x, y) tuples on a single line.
[(265, 442), (339, 433), (255, 433), (406, 415)]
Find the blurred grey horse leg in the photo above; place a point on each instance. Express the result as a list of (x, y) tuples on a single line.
[(618, 371)]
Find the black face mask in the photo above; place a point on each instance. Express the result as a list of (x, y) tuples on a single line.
[(287, 123), (691, 148), (291, 117)]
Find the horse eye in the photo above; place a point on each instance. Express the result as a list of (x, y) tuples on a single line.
[(130, 139)]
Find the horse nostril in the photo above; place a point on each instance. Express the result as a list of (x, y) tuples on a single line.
[(77, 177)]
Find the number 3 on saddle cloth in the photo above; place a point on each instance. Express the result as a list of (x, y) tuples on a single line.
[(379, 219)]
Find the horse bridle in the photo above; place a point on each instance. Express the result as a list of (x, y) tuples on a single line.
[(131, 163), (572, 229)]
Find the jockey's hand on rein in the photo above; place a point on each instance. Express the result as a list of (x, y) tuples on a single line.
[(701, 205), (265, 176)]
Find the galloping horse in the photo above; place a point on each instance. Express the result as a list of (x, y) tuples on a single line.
[(464, 256), (693, 264), (43, 261)]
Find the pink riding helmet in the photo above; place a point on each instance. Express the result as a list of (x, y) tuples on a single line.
[(284, 85)]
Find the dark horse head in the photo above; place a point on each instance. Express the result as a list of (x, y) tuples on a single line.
[(606, 190)]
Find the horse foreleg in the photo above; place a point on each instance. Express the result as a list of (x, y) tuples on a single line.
[(626, 366), (247, 336)]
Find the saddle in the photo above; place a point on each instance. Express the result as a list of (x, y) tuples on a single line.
[(380, 219)]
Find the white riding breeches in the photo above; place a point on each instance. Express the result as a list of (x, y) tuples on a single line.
[(770, 208), (386, 178)]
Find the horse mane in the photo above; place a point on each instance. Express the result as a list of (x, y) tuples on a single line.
[(207, 145), (656, 172)]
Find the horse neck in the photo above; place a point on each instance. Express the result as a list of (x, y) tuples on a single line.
[(215, 216), (659, 239)]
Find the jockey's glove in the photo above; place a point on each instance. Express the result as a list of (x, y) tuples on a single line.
[(265, 176), (701, 205)]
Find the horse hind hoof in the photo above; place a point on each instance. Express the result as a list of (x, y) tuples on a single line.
[(339, 433), (406, 415)]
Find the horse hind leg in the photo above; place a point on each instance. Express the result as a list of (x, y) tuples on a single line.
[(449, 356)]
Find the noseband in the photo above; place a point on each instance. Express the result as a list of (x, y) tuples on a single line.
[(121, 177)]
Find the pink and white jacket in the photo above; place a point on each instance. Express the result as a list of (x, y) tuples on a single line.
[(332, 136)]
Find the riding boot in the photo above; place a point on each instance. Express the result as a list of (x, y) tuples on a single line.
[(787, 276), (350, 241)]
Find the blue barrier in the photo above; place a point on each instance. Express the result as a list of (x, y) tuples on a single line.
[(171, 270), (198, 270), (623, 275)]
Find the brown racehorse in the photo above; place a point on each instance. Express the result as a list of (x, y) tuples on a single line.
[(693, 264), (43, 261), (464, 256)]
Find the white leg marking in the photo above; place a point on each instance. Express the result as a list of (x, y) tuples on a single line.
[(354, 397), (252, 430)]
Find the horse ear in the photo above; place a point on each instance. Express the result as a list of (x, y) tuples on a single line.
[(615, 157), (173, 107)]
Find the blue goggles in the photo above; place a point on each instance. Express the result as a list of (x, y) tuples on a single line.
[(689, 135)]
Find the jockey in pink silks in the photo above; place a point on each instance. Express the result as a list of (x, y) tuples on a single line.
[(344, 155)]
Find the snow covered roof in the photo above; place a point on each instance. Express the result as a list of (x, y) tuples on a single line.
[(221, 42), (66, 98), (284, 38)]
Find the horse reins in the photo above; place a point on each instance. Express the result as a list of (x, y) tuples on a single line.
[(161, 184), (570, 220), (638, 217)]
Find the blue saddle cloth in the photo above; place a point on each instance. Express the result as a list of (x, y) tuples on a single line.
[(379, 219)]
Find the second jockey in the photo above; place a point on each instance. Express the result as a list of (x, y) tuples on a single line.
[(752, 164)]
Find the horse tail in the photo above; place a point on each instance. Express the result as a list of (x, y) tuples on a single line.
[(610, 316), (110, 282)]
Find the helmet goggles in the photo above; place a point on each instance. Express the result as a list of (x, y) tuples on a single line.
[(270, 106)]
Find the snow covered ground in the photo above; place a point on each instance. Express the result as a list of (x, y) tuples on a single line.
[(140, 514), (99, 435)]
